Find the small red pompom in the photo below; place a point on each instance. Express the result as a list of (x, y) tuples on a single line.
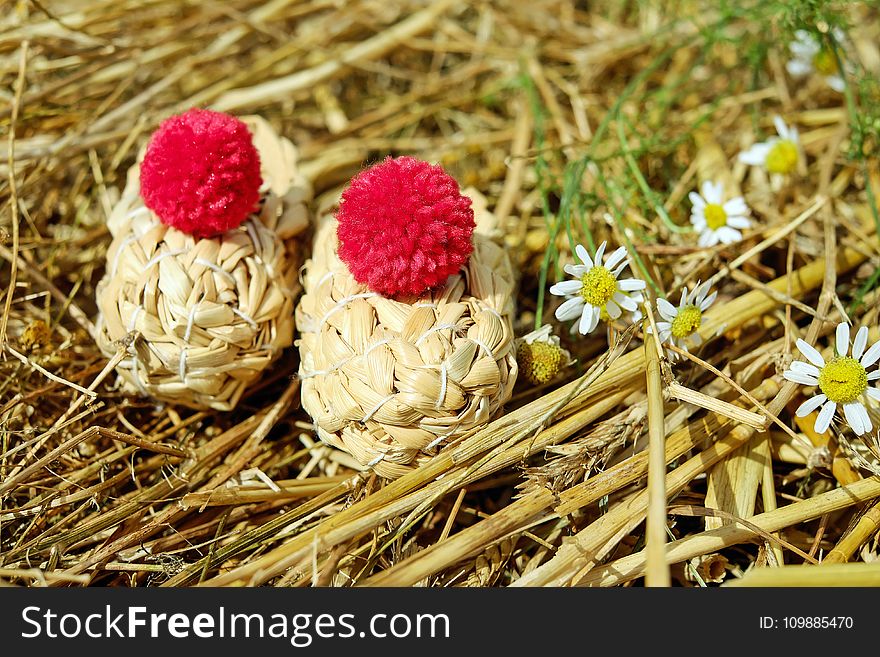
[(404, 226), (201, 172)]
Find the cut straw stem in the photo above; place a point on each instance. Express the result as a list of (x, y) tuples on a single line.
[(853, 574), (866, 527), (633, 566), (655, 531), (590, 545)]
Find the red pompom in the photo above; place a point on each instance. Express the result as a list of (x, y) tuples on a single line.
[(404, 226), (201, 172)]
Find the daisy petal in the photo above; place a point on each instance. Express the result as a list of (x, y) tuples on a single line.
[(565, 288), (856, 417), (736, 207), (873, 376), (706, 239), (587, 319), (800, 377), (697, 201), (866, 419), (631, 284), (576, 270), (798, 68), (616, 257), (738, 222), (873, 393), (871, 355), (667, 310), (613, 310), (570, 309), (804, 368), (860, 342), (810, 352), (708, 301), (836, 83), (842, 343), (712, 192), (810, 405), (728, 235), (823, 421), (756, 155), (594, 321), (625, 302), (584, 256), (597, 259), (781, 128)]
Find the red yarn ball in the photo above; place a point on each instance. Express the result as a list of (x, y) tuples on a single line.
[(404, 226), (201, 172)]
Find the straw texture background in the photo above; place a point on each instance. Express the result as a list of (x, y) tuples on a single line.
[(202, 318), (392, 381)]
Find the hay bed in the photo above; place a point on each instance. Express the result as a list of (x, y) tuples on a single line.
[(101, 487)]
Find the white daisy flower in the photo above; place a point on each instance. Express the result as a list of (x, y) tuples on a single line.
[(842, 380), (596, 288), (778, 155), (540, 356), (717, 220), (680, 325), (809, 54)]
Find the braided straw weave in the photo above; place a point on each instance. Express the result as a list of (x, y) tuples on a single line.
[(392, 381), (208, 315)]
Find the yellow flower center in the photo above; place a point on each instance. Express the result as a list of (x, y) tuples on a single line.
[(686, 322), (783, 157), (598, 286), (716, 217), (539, 362), (825, 62), (843, 380)]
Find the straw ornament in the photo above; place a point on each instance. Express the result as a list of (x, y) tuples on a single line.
[(204, 312), (392, 379)]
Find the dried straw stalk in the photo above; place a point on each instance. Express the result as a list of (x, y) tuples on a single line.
[(855, 574), (206, 316), (392, 381), (544, 504), (655, 531), (866, 527), (631, 567)]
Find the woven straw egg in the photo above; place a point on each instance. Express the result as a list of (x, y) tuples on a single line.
[(203, 317), (393, 381)]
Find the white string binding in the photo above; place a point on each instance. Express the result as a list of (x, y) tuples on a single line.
[(189, 322), (114, 267), (344, 361), (434, 329), (435, 442), (376, 408), (344, 302), (443, 384), (484, 347), (161, 256), (181, 370), (132, 322), (247, 318), (215, 268), (133, 213)]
